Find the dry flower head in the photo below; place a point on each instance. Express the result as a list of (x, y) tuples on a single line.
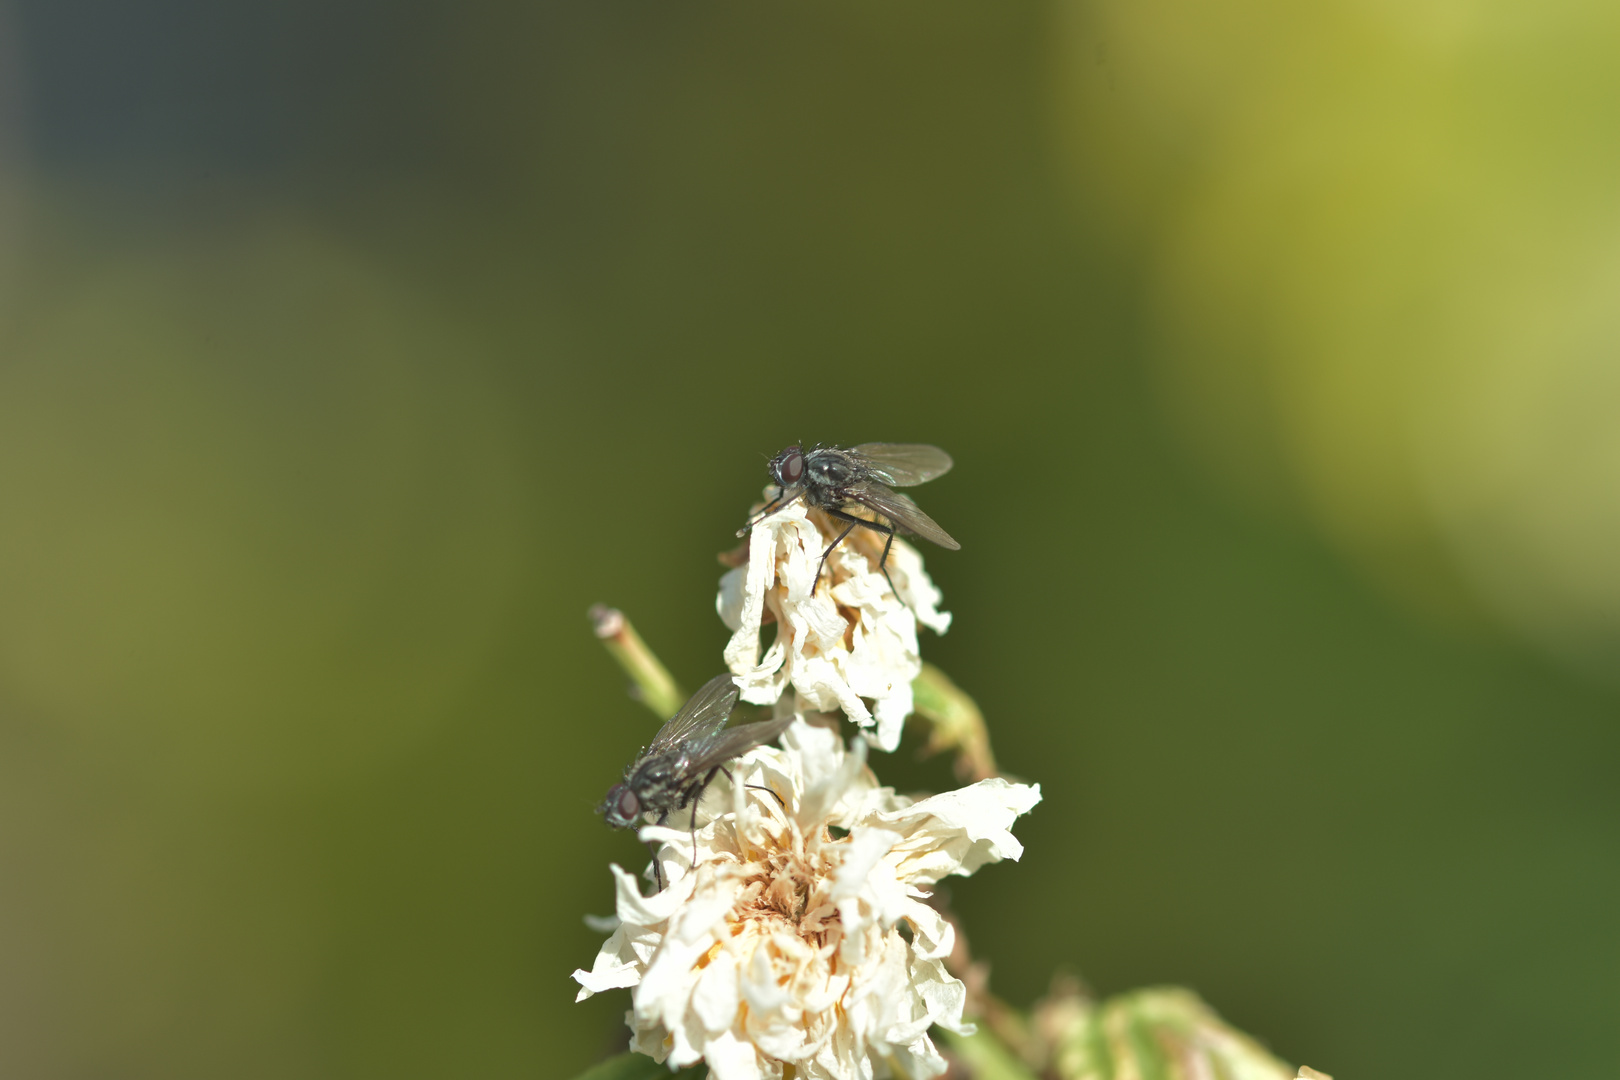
[(796, 932), (850, 641)]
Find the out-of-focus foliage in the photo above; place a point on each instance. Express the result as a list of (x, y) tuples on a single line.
[(349, 351), (1157, 1032), (1384, 244)]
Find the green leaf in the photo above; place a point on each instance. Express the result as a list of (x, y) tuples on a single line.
[(1161, 1033), (638, 1067), (986, 1057), (954, 723)]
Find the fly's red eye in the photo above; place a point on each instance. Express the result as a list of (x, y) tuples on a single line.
[(789, 466), (629, 805)]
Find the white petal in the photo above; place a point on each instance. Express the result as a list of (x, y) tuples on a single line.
[(831, 773), (983, 813), (716, 998), (615, 966), (731, 1059), (760, 988), (839, 645), (921, 1060), (889, 714), (640, 910), (702, 917), (729, 603), (649, 1039), (867, 845), (761, 680), (931, 934), (778, 900), (663, 991), (943, 996)]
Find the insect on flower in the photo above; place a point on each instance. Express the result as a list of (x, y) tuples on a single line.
[(833, 478), (683, 758)]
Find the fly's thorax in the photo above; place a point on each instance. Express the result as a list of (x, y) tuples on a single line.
[(658, 782), (829, 468)]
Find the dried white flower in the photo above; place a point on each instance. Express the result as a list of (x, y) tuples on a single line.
[(796, 931), (853, 639)]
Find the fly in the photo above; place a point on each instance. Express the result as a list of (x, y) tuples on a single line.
[(683, 758), (834, 479)]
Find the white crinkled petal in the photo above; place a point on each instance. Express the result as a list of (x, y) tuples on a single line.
[(906, 567), (647, 1039), (832, 774), (733, 594), (761, 990), (931, 933), (867, 846), (819, 752), (702, 918), (687, 940), (742, 607), (921, 1059), (638, 910), (729, 1058), (616, 966), (890, 717), (850, 641), (821, 683), (973, 826), (779, 939), (716, 998), (943, 996)]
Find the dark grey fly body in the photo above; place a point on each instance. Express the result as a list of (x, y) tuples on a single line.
[(683, 758), (835, 479)]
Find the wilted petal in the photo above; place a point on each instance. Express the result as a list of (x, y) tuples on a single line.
[(783, 942), (616, 966), (850, 641)]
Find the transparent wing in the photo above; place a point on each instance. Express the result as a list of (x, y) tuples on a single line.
[(902, 511), (703, 714), (903, 464), (721, 747)]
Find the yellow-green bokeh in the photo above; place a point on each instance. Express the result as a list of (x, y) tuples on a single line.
[(349, 352), (1384, 241)]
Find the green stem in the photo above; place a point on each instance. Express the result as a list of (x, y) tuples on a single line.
[(651, 682)]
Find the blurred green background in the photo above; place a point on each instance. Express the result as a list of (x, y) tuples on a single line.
[(350, 350)]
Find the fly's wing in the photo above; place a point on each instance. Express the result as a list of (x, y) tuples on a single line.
[(722, 746), (903, 464), (703, 714), (902, 511)]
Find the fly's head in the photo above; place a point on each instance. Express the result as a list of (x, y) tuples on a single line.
[(622, 807), (787, 468)]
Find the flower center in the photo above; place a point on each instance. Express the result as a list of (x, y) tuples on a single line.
[(788, 889)]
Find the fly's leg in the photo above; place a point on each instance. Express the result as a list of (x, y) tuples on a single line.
[(694, 798), (883, 560), (883, 565), (756, 787), (652, 846), (769, 508), (822, 565)]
